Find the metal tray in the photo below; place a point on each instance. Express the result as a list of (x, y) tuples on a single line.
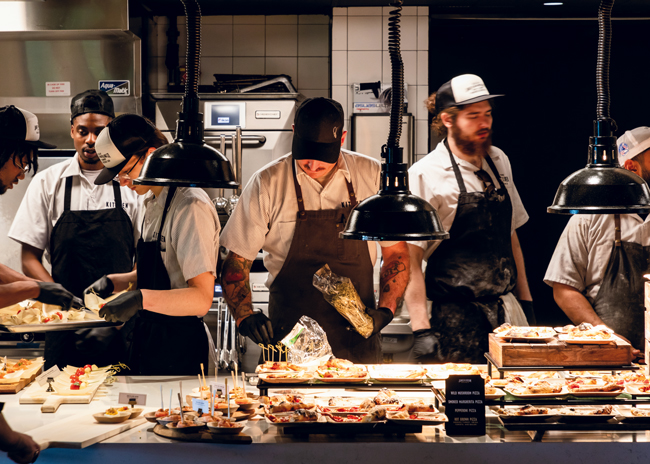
[(60, 326)]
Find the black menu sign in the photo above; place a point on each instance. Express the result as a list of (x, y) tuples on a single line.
[(465, 406)]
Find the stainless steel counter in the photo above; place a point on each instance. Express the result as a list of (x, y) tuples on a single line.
[(141, 445)]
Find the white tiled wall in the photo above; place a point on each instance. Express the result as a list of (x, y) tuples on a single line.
[(296, 45), (360, 54)]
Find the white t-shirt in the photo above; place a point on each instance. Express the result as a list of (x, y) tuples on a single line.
[(190, 235), (42, 204), (583, 251), (265, 216), (433, 179)]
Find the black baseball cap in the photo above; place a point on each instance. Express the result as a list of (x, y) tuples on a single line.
[(318, 128), (21, 125), (462, 90), (91, 101), (123, 136)]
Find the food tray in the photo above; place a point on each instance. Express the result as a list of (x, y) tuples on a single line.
[(264, 377), (434, 419), (563, 393), (60, 326), (578, 341), (587, 419)]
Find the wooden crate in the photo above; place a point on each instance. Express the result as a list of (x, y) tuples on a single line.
[(557, 354)]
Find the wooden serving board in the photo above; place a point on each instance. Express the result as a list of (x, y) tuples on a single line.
[(557, 354), (203, 436), (36, 394), (20, 384), (79, 431)]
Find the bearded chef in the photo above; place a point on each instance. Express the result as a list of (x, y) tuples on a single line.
[(87, 230), (294, 209), (470, 278)]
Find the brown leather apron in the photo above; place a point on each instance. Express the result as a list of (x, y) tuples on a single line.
[(315, 243)]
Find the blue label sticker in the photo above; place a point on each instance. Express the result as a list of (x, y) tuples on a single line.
[(116, 88), (623, 148)]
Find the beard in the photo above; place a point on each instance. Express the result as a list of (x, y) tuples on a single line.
[(3, 188), (468, 146)]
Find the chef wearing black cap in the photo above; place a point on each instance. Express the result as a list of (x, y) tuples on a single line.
[(470, 276), (176, 258), (87, 230), (294, 209)]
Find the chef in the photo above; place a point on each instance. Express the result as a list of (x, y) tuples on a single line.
[(176, 258), (470, 276), (19, 144), (294, 209), (598, 265), (88, 231)]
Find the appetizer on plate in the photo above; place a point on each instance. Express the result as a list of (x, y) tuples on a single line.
[(275, 366), (527, 410), (586, 331), (541, 387), (508, 331), (300, 415), (606, 410), (593, 386)]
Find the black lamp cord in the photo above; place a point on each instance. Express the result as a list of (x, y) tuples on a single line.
[(190, 128), (397, 76), (603, 60)]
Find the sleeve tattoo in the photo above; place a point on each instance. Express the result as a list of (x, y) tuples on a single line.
[(235, 281)]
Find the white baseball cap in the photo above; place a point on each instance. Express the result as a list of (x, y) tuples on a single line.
[(633, 143), (462, 90)]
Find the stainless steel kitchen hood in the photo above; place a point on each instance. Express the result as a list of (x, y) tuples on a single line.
[(76, 43)]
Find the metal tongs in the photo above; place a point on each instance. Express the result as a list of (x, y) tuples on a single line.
[(224, 359)]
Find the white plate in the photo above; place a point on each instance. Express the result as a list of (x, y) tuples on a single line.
[(586, 341), (499, 393), (564, 392), (633, 388), (303, 379)]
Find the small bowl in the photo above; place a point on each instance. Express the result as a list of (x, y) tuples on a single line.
[(248, 406), (192, 429), (151, 417), (135, 412), (212, 426), (169, 419), (102, 418), (233, 407)]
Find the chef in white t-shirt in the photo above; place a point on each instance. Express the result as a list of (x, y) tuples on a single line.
[(88, 231)]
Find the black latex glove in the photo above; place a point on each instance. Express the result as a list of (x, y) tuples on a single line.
[(257, 327), (527, 306), (122, 308), (54, 294), (425, 343), (102, 287), (381, 317)]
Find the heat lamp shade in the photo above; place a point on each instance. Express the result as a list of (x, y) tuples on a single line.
[(394, 217), (187, 165), (602, 189)]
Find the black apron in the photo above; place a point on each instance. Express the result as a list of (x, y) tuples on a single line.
[(292, 295), (84, 246), (468, 272), (164, 345), (619, 301)]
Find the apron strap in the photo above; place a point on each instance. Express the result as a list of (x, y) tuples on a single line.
[(168, 201), (494, 171), (617, 230), (459, 177), (301, 203), (117, 194), (68, 193)]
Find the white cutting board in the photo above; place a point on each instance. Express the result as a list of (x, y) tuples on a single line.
[(36, 394), (79, 431)]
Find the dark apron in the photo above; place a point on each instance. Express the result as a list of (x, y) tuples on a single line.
[(468, 272), (164, 345), (292, 295), (84, 246), (619, 301)]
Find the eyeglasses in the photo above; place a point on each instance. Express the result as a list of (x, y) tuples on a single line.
[(126, 176), (491, 192)]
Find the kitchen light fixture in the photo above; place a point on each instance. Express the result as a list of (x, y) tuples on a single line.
[(603, 187), (394, 214), (188, 161)]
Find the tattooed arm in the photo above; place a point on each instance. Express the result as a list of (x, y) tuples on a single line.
[(394, 275), (235, 281)]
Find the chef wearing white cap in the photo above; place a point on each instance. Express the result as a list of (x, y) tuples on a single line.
[(597, 268)]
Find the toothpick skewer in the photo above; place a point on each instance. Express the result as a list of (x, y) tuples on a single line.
[(227, 397), (232, 374), (171, 390), (180, 402), (236, 377), (262, 346), (202, 372), (162, 403), (181, 396), (243, 382), (211, 403)]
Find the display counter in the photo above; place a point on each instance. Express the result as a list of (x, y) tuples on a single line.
[(269, 444)]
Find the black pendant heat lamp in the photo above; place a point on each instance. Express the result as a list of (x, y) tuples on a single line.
[(394, 214), (603, 186), (188, 161)]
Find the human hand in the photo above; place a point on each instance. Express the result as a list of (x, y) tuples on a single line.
[(122, 308), (102, 287), (425, 343), (54, 294), (23, 449), (257, 327)]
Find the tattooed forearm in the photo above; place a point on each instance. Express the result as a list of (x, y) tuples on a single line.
[(235, 282), (394, 275)]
